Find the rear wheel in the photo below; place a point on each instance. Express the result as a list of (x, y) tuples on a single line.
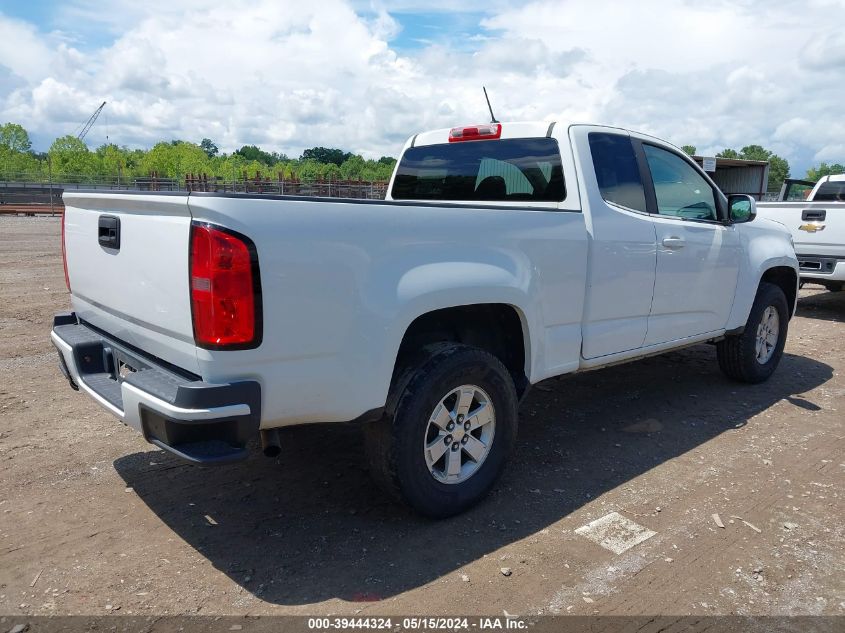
[(452, 429), (754, 355)]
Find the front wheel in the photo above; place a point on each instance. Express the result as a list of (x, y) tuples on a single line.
[(754, 355), (453, 425)]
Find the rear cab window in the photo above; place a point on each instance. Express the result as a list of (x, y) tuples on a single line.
[(504, 170), (831, 191), (617, 171)]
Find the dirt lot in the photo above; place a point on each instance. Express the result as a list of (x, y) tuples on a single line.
[(94, 520)]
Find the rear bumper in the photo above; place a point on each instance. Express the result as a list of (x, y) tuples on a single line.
[(173, 409), (822, 267)]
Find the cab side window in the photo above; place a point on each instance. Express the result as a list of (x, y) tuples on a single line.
[(680, 190), (617, 172)]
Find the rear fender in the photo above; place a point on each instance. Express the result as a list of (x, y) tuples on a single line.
[(436, 286)]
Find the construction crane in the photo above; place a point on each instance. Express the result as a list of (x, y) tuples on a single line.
[(91, 120)]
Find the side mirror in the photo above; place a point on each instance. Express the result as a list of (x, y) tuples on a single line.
[(741, 208)]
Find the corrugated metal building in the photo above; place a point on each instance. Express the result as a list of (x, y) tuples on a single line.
[(739, 176)]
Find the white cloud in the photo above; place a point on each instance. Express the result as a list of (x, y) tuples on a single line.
[(288, 75), (22, 51), (826, 52), (715, 74), (831, 153)]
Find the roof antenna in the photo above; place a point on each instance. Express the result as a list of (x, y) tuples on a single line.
[(489, 107)]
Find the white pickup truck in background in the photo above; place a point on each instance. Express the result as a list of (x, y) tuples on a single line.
[(818, 230), (505, 254)]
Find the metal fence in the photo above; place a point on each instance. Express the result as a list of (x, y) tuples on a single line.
[(45, 196), (361, 189)]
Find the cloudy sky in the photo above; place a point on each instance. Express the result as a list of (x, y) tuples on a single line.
[(365, 75)]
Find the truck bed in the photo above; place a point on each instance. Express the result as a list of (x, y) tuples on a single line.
[(327, 355)]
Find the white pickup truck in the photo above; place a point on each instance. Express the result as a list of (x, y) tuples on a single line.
[(505, 254), (818, 230)]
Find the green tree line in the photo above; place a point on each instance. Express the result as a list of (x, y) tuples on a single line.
[(69, 158), (814, 173)]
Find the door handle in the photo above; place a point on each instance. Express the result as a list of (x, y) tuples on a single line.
[(673, 242), (108, 232), (813, 214)]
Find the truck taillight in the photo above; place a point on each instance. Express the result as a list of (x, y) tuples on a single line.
[(475, 132), (64, 251), (225, 289)]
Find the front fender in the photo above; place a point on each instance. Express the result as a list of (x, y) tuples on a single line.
[(766, 245)]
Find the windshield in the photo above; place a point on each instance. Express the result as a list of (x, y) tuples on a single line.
[(500, 170)]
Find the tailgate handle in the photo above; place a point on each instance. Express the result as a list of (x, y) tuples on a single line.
[(813, 214), (108, 232)]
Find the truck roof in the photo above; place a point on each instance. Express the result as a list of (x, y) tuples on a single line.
[(525, 129), (510, 129)]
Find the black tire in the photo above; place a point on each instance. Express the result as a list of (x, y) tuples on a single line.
[(737, 354), (834, 286), (395, 444)]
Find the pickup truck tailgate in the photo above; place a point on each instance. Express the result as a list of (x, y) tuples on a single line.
[(818, 228), (127, 259)]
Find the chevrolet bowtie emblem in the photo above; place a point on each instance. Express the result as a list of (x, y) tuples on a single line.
[(811, 228)]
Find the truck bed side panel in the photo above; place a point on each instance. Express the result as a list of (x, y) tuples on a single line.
[(342, 281)]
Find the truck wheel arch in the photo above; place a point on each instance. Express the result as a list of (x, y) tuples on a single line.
[(498, 328), (786, 279), (780, 270)]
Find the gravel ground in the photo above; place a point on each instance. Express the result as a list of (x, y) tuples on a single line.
[(93, 520)]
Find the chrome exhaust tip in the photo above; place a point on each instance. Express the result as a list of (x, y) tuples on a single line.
[(270, 443)]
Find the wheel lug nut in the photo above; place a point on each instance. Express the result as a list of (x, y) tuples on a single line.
[(465, 439), (455, 446), (450, 426), (447, 439), (461, 417), (466, 426)]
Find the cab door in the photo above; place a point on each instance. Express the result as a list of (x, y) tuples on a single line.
[(698, 254), (622, 253)]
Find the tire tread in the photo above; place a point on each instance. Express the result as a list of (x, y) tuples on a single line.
[(416, 376), (736, 354)]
